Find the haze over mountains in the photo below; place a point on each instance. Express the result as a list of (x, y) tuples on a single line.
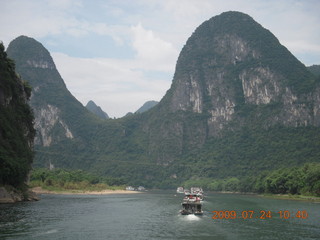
[(147, 106), (92, 107), (239, 103)]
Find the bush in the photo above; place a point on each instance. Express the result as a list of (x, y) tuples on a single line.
[(69, 180)]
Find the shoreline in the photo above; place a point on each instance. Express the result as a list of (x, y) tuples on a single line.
[(9, 194), (304, 198), (40, 190), (292, 197)]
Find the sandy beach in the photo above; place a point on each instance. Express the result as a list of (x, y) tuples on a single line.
[(39, 190)]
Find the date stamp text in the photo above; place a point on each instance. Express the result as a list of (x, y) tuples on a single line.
[(261, 214)]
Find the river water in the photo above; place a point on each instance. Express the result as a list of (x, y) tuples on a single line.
[(155, 215)]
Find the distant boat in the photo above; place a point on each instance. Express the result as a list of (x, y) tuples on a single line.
[(130, 188), (180, 190), (141, 188), (198, 192), (187, 192)]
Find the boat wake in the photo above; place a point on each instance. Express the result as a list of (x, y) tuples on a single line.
[(53, 231), (191, 217)]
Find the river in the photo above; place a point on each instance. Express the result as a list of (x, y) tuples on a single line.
[(155, 215)]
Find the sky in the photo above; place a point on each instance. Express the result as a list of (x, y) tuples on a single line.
[(122, 53)]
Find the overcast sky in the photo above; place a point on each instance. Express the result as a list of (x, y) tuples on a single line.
[(122, 53)]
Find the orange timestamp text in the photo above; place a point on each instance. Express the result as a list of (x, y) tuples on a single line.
[(262, 214)]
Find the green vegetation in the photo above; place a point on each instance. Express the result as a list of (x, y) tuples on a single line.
[(243, 153), (67, 180), (315, 69), (162, 148), (16, 125), (198, 52), (92, 107), (251, 150), (303, 180)]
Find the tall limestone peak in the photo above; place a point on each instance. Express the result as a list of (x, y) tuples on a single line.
[(54, 106), (231, 61), (234, 41), (30, 55), (16, 125), (232, 73)]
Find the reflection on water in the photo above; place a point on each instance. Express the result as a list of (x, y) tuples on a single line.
[(153, 215)]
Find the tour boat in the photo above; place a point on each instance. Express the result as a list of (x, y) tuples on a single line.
[(191, 206)]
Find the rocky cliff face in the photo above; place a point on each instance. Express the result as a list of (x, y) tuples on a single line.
[(220, 70), (48, 117), (229, 72), (16, 125), (36, 65)]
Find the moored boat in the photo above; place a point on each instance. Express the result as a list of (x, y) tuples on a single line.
[(130, 188), (180, 190), (141, 188)]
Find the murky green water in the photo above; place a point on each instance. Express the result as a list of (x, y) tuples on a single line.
[(155, 215)]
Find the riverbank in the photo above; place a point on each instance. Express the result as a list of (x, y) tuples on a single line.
[(40, 190), (276, 196), (292, 197)]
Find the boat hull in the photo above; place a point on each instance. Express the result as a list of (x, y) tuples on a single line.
[(191, 207)]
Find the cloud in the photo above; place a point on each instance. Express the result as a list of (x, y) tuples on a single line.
[(139, 41), (37, 18), (153, 53), (118, 33), (62, 4), (115, 85)]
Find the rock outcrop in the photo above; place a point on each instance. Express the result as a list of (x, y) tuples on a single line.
[(16, 130), (228, 73), (13, 195), (49, 96), (223, 67)]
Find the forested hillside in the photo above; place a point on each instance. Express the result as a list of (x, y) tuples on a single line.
[(16, 125), (315, 69), (240, 104), (92, 107)]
